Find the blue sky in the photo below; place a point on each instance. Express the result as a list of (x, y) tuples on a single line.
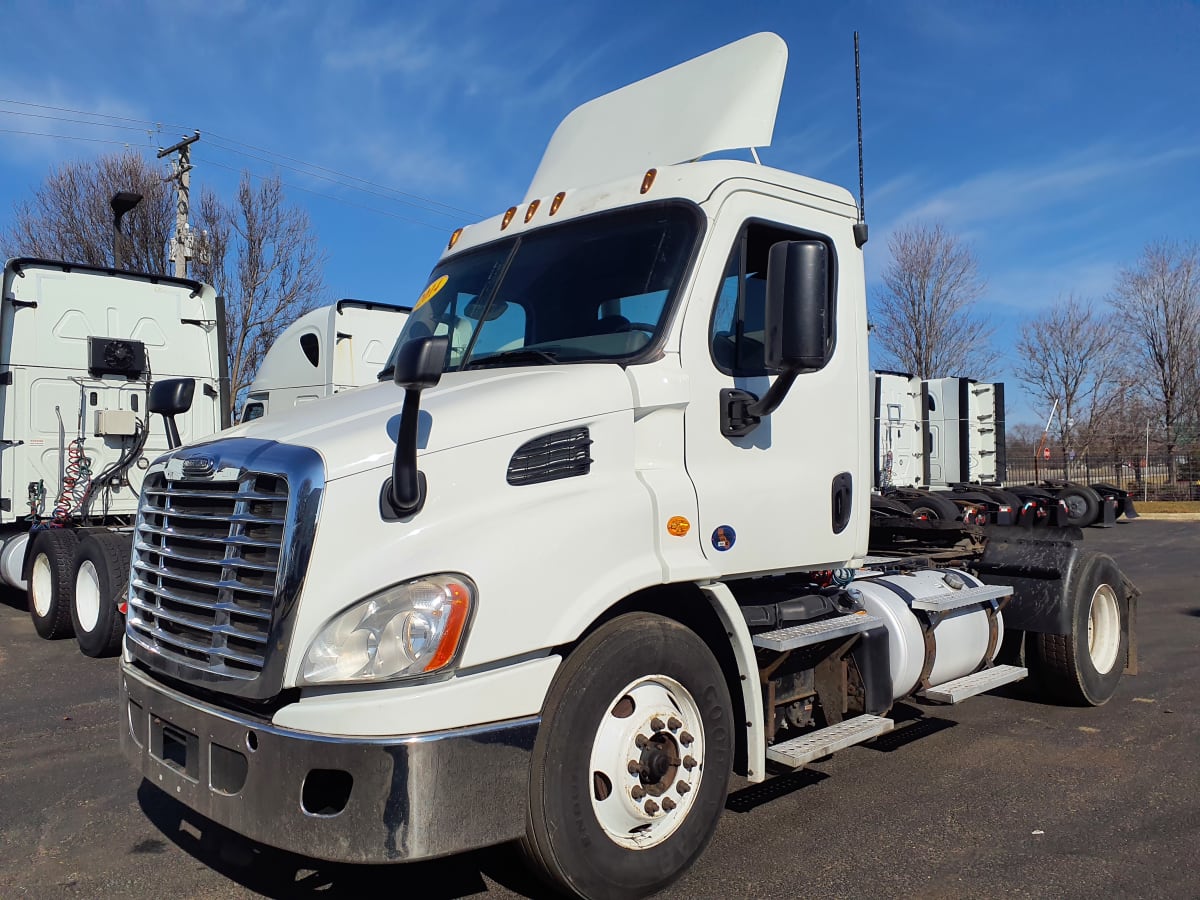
[(1057, 139)]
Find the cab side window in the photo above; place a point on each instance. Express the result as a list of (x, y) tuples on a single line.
[(737, 331)]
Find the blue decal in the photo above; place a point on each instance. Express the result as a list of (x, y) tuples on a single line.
[(723, 537)]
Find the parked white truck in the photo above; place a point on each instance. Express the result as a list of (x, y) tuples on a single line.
[(325, 351), (80, 348), (608, 544)]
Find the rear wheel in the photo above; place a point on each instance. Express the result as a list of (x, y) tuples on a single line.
[(49, 576), (101, 574), (1084, 667), (930, 506), (632, 760), (1083, 504)]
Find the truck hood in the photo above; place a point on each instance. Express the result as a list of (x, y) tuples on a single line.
[(356, 430)]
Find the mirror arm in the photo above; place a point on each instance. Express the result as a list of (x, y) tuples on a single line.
[(774, 396), (742, 412), (173, 440), (407, 486)]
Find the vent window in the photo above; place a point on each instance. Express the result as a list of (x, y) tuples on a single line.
[(562, 454)]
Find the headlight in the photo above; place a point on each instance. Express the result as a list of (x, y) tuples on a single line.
[(410, 629)]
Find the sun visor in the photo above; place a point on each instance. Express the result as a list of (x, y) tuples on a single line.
[(723, 100)]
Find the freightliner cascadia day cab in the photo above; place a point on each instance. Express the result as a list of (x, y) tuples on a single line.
[(81, 350), (600, 539), (324, 352)]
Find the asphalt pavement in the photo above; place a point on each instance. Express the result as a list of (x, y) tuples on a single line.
[(1001, 796)]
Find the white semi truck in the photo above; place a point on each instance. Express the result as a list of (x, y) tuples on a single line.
[(606, 540), (325, 351), (80, 348)]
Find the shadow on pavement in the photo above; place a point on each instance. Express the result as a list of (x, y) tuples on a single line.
[(280, 874), (14, 598)]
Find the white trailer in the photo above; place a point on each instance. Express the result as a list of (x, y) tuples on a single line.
[(607, 539), (80, 348), (325, 351)]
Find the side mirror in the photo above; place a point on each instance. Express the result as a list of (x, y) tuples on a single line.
[(799, 326), (170, 398), (419, 365), (798, 315)]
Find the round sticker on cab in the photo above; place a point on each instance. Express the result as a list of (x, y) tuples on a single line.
[(723, 537), (430, 292)]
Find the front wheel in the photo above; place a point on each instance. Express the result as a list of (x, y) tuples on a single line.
[(50, 580), (632, 760)]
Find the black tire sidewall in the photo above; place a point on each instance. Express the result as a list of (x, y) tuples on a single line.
[(564, 827), (1098, 686), (943, 510), (108, 553), (1091, 503), (58, 546)]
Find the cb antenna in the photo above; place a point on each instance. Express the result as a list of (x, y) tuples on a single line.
[(860, 229)]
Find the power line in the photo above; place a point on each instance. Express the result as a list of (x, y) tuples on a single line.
[(66, 137), (29, 115)]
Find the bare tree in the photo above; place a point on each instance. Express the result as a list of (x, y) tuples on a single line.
[(69, 218), (262, 256), (1069, 354), (1158, 302), (925, 317)]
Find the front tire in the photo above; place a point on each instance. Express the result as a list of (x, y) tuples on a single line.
[(50, 580), (101, 571), (1083, 668), (632, 761)]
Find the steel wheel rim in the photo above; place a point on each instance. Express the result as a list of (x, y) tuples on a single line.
[(1104, 628), (655, 724), (87, 595), (1076, 506), (41, 585)]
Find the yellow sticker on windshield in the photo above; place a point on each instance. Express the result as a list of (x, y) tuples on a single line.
[(430, 292)]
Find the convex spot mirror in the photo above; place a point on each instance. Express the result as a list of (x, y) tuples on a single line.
[(799, 314), (420, 362), (172, 396)]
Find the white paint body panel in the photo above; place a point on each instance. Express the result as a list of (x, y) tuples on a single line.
[(352, 341), (723, 100), (45, 348)]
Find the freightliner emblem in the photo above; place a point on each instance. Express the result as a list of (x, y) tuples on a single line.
[(199, 467)]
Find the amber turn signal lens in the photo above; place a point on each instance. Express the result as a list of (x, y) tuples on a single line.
[(557, 201), (678, 526), (508, 217), (454, 238), (532, 209), (648, 180)]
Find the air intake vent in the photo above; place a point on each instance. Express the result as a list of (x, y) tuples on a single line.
[(563, 454)]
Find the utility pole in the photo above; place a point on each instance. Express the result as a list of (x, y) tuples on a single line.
[(181, 250)]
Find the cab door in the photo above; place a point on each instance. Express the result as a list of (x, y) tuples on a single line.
[(794, 492)]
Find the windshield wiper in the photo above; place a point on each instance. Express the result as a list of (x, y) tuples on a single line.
[(523, 354)]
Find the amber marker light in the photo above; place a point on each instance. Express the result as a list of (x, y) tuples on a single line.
[(532, 209), (648, 181), (454, 238), (508, 217), (460, 605), (557, 201), (678, 526)]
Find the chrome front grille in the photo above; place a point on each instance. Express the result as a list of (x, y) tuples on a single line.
[(206, 562)]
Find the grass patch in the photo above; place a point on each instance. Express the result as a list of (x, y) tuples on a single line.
[(1167, 506)]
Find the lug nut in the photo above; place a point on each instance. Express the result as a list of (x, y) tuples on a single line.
[(635, 767), (668, 804), (657, 724), (651, 807), (689, 762), (641, 741), (686, 738), (638, 792), (674, 724), (683, 787)]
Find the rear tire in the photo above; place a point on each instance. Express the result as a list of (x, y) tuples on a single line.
[(101, 570), (50, 578), (1084, 667), (934, 508), (1083, 504), (644, 691)]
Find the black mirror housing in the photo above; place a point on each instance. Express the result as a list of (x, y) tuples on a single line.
[(172, 396), (799, 315), (420, 362)]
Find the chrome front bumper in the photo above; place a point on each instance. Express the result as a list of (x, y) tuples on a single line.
[(392, 799)]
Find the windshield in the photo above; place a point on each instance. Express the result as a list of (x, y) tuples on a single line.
[(594, 289)]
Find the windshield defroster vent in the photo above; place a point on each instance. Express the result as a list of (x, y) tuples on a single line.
[(561, 454)]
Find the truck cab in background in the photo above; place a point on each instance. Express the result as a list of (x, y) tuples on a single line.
[(606, 539), (325, 351), (80, 349)]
